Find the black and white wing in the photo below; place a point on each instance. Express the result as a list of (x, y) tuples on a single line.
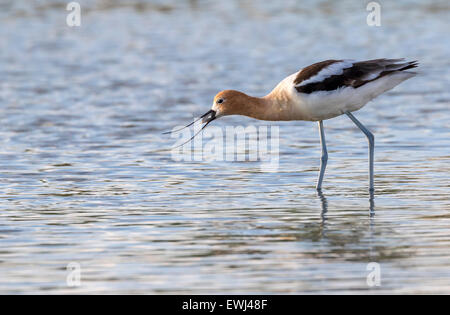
[(330, 75)]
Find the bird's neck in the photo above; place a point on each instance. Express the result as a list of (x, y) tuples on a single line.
[(270, 107), (256, 107)]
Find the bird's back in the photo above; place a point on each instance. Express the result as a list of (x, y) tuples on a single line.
[(329, 88)]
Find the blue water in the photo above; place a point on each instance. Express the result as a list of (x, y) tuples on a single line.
[(83, 179)]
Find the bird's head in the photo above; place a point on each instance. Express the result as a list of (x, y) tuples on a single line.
[(228, 102)]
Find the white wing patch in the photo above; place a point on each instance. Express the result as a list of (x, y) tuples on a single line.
[(333, 69)]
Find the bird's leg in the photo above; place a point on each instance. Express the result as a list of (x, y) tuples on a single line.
[(371, 140), (324, 158)]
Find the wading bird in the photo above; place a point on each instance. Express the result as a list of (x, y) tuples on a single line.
[(318, 92)]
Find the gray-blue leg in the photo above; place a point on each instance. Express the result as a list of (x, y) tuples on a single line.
[(324, 158), (371, 140)]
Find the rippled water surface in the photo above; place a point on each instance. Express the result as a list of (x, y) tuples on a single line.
[(82, 180)]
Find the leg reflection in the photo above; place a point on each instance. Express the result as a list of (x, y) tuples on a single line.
[(323, 214), (324, 218), (371, 204), (324, 202)]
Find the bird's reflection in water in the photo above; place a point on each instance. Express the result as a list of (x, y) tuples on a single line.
[(348, 227), (371, 204), (324, 217), (324, 202), (323, 214)]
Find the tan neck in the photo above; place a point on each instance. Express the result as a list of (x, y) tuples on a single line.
[(257, 107), (273, 106), (270, 107)]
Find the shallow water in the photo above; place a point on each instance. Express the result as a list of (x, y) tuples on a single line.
[(82, 180)]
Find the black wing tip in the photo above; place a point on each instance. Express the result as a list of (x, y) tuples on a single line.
[(393, 61), (410, 65)]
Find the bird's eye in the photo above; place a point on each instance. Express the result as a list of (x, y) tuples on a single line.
[(219, 101)]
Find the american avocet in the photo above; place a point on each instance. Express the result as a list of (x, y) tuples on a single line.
[(318, 92)]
